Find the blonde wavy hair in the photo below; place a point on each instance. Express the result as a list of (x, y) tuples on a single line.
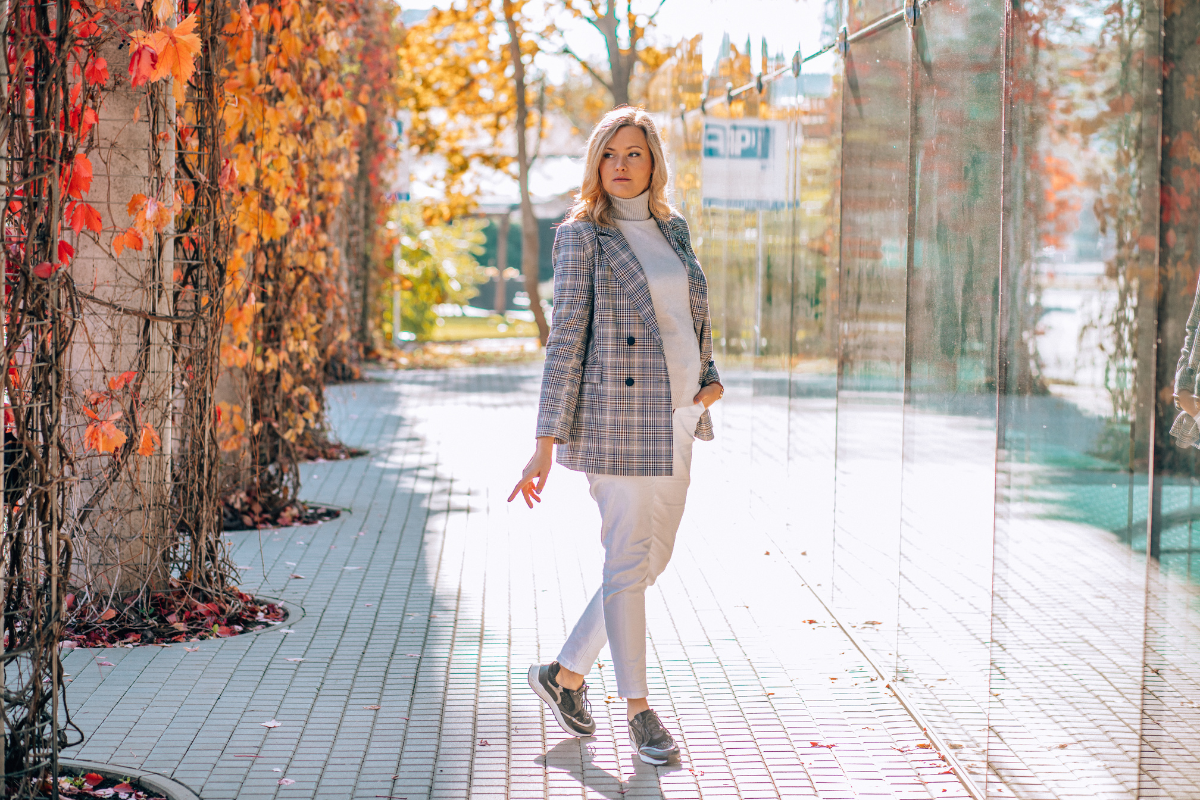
[(593, 203)]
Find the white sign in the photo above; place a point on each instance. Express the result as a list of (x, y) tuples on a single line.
[(401, 183), (743, 163)]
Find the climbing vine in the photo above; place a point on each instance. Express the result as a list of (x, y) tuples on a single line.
[(294, 127)]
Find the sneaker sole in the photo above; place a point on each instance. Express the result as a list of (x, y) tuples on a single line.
[(656, 761), (541, 692)]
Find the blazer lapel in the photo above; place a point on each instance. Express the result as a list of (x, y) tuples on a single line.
[(697, 287), (630, 275)]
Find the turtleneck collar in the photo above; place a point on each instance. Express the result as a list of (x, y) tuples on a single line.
[(634, 209)]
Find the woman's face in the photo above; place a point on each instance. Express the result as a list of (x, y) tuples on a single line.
[(625, 165)]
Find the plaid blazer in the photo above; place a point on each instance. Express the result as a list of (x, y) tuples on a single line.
[(606, 395), (1185, 430)]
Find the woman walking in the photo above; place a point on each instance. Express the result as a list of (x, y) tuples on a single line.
[(625, 390)]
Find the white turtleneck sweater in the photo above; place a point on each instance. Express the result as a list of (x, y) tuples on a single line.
[(667, 279)]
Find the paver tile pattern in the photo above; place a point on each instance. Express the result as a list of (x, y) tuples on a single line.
[(401, 673)]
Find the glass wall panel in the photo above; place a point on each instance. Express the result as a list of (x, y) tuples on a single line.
[(950, 403), (870, 392), (864, 12), (1170, 725), (950, 287), (1078, 328), (812, 398)]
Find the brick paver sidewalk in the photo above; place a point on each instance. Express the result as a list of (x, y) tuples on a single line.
[(429, 598)]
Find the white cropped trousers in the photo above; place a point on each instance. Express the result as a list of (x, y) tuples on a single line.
[(639, 517)]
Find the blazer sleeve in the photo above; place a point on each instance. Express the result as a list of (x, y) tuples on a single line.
[(1185, 370), (708, 367), (566, 348)]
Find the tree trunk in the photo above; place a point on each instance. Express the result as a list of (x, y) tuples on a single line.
[(620, 65), (529, 230)]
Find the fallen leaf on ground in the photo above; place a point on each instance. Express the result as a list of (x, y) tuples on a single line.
[(371, 708), (122, 787), (925, 746), (270, 724), (191, 649), (295, 659), (294, 575), (818, 744), (872, 622), (809, 621), (105, 663), (286, 781)]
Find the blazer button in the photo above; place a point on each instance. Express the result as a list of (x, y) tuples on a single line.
[(629, 381), (630, 341)]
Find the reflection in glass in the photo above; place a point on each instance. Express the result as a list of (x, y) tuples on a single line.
[(1170, 746), (948, 299), (950, 405), (1071, 490), (874, 246)]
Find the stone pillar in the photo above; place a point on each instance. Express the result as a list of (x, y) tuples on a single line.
[(124, 498)]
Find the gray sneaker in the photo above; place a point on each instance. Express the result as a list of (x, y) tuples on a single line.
[(570, 706), (651, 741)]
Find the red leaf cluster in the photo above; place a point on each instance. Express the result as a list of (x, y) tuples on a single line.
[(173, 616)]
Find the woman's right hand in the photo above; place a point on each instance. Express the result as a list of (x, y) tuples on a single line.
[(533, 479), (1187, 401)]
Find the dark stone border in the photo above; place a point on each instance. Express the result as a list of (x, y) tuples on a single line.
[(292, 613), (171, 789)]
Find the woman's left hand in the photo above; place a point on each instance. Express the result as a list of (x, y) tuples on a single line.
[(708, 395)]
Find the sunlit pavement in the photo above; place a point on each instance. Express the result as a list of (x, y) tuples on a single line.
[(424, 605)]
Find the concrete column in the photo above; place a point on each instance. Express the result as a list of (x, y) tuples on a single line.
[(123, 498)]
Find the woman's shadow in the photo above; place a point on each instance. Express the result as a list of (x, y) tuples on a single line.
[(575, 757)]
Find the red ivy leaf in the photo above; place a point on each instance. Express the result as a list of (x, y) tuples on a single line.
[(227, 179), (142, 62), (85, 216), (121, 381), (82, 121), (96, 72), (65, 252), (45, 269), (79, 179)]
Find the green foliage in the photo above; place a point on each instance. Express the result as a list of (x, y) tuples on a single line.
[(438, 265)]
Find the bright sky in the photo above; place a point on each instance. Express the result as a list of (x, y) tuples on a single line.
[(785, 23)]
